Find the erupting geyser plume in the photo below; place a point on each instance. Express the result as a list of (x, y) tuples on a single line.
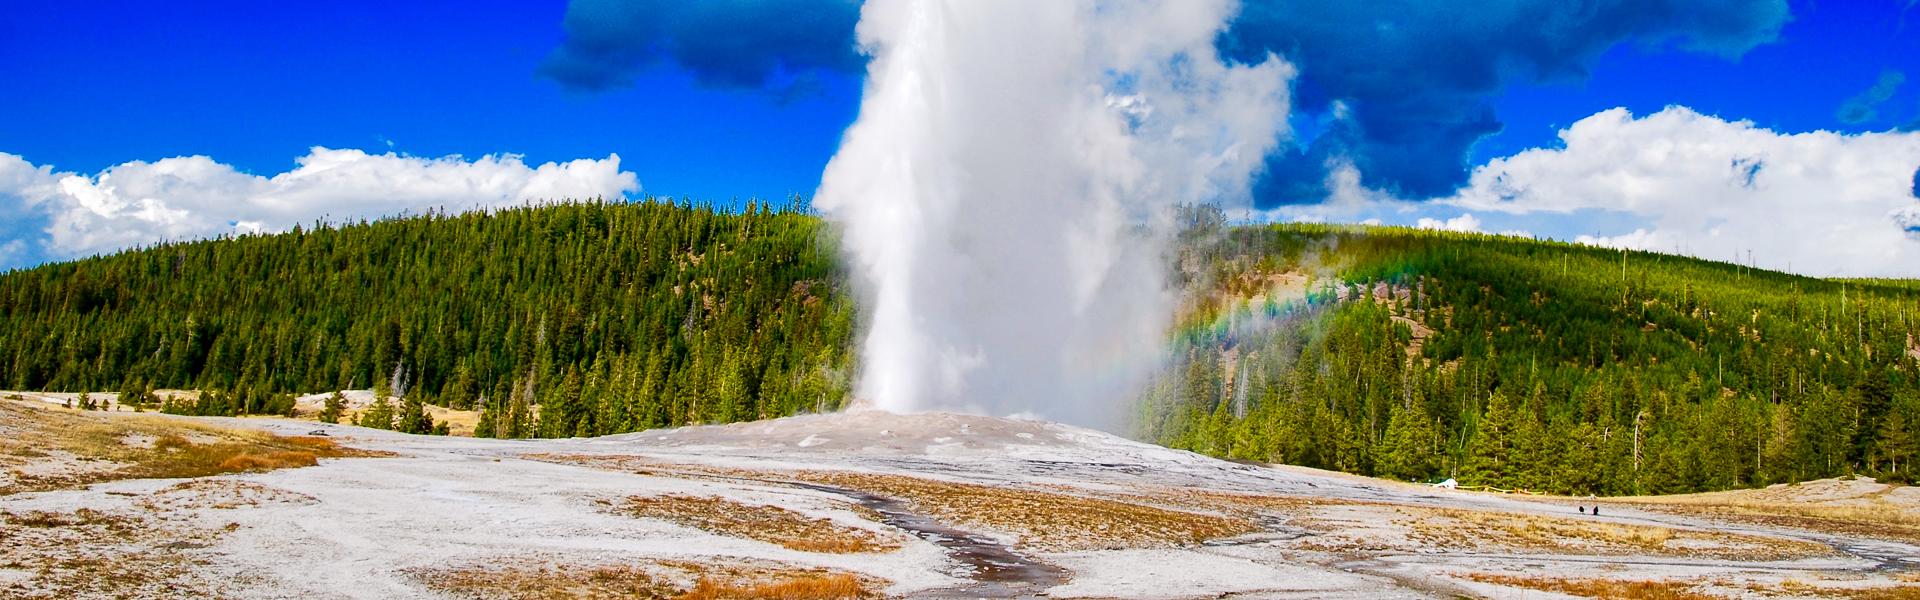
[(1004, 194)]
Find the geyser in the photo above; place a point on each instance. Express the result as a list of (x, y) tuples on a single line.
[(1004, 195)]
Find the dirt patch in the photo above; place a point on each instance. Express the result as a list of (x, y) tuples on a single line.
[(221, 494), (1684, 589), (771, 524), (92, 554), (664, 580), (1600, 588), (1794, 588), (1857, 507), (1239, 504), (1052, 519), (1453, 528), (53, 448), (1046, 521), (641, 465)]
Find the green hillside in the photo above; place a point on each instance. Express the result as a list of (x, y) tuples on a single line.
[(1392, 352), (609, 317), (1535, 365)]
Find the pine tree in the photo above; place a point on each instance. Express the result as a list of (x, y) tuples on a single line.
[(413, 417), (486, 427), (1896, 445), (378, 415), (1491, 456), (519, 413), (561, 411), (1407, 450), (335, 406)]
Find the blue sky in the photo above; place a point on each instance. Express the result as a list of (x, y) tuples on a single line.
[(1829, 53), (682, 93), (254, 84)]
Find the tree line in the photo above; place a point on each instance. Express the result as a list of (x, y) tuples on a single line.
[(607, 316), (1533, 365)]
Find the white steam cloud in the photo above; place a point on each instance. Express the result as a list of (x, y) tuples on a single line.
[(1002, 196)]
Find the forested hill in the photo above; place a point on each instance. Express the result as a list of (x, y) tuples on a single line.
[(610, 317), (1393, 352), (1534, 365)]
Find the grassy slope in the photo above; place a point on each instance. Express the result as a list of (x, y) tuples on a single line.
[(1539, 365)]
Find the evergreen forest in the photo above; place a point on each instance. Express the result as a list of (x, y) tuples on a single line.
[(1411, 354), (557, 320)]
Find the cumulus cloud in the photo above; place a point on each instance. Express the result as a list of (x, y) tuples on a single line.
[(139, 202), (1821, 203), (725, 43), (1465, 223), (1866, 106), (1409, 81)]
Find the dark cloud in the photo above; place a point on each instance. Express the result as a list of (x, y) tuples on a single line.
[(1410, 81), (1866, 106), (770, 44), (1415, 78)]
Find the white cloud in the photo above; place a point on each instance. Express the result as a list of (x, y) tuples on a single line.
[(195, 197), (1823, 203), (1464, 223), (11, 252)]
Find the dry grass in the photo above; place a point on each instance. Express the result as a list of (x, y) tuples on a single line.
[(1600, 588), (49, 447), (550, 583), (826, 586), (1457, 528), (665, 580), (1823, 505), (1534, 531), (220, 494), (1049, 520), (1793, 588), (282, 459), (1045, 520), (96, 554), (1239, 504), (770, 524)]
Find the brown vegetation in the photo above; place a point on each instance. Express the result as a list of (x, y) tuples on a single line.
[(1671, 589), (1857, 507), (1055, 519), (1045, 520), (825, 586), (1600, 588), (1458, 528), (665, 580), (89, 553), (220, 494), (550, 583), (49, 447), (770, 524)]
